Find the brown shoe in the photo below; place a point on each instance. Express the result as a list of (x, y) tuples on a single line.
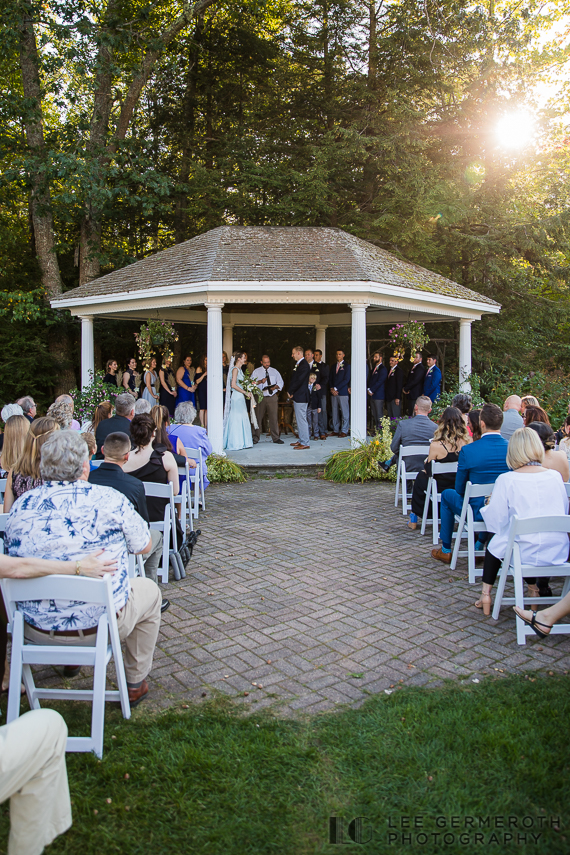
[(138, 695), (333, 433), (441, 556), (300, 447), (342, 435), (295, 443)]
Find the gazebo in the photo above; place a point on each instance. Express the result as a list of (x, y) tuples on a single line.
[(276, 276)]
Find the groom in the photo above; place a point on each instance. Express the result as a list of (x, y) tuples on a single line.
[(299, 392)]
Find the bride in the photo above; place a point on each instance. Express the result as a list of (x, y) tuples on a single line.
[(237, 427)]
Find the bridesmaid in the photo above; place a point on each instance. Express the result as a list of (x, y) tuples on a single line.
[(167, 393), (150, 381), (111, 375), (225, 368), (185, 381), (201, 381)]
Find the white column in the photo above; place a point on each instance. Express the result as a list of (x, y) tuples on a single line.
[(358, 373), (464, 354), (87, 350), (228, 339), (215, 377), (321, 339)]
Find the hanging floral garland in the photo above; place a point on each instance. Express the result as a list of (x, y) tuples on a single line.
[(155, 336), (412, 336)]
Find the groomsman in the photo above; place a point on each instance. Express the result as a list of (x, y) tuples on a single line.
[(339, 380), (393, 389), (323, 374), (299, 392), (415, 383), (432, 382), (270, 382), (376, 388)]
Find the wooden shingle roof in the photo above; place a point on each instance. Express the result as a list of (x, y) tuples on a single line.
[(269, 254)]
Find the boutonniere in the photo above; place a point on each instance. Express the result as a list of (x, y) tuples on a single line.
[(295, 368), (340, 364)]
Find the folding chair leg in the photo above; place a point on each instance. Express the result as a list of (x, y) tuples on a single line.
[(426, 506), (471, 553), (99, 680), (456, 546), (503, 576), (16, 670), (519, 602), (398, 476)]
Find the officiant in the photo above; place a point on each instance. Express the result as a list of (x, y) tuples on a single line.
[(270, 382)]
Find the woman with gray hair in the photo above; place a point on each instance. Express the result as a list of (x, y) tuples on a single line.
[(191, 435), (62, 412)]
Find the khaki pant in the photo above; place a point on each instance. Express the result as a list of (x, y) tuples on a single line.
[(270, 405), (33, 776), (138, 623)]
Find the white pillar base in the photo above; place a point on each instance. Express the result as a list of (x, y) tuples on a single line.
[(464, 354), (87, 350), (215, 378), (358, 372)]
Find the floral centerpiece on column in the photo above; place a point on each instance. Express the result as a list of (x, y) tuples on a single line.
[(155, 336), (412, 335)]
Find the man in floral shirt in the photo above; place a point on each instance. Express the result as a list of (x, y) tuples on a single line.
[(67, 517)]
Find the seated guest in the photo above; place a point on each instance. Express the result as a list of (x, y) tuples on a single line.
[(67, 399), (26, 472), (91, 445), (16, 430), (529, 490), (142, 406), (119, 423), (28, 406), (191, 435), (10, 410), (448, 440), (548, 617), (415, 431), (62, 413), (535, 414), (563, 436), (110, 474), (528, 401), (512, 419), (463, 402), (474, 424), (66, 519), (553, 459), (162, 441), (480, 462), (103, 411)]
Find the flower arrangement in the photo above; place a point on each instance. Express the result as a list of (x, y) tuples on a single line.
[(155, 335), (88, 399), (223, 470), (362, 463), (412, 335)]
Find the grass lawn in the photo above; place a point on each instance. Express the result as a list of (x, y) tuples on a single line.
[(213, 781)]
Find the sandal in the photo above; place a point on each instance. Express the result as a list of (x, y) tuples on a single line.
[(484, 602), (533, 623)]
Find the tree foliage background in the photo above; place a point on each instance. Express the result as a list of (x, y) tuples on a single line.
[(128, 125)]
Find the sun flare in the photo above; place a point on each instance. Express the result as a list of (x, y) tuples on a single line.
[(515, 130)]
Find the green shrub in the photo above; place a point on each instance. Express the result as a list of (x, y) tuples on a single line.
[(447, 397), (362, 463), (88, 399), (224, 470)]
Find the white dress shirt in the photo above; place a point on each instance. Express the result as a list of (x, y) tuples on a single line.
[(274, 377)]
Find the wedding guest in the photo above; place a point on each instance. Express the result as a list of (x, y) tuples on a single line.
[(564, 441), (129, 380), (270, 382), (25, 474), (191, 435), (92, 447), (62, 413), (150, 383), (376, 388), (535, 414), (185, 381), (553, 459), (167, 384), (474, 426), (339, 380), (394, 386), (463, 402), (68, 518), (121, 421), (142, 406), (102, 412), (162, 441), (480, 462), (67, 399), (10, 410), (529, 490), (201, 382), (111, 372), (512, 419), (548, 617), (16, 430), (415, 383), (416, 431), (28, 406), (448, 440), (299, 394), (528, 401), (323, 387), (313, 407), (432, 379)]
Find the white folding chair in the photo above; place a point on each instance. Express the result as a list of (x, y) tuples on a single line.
[(467, 527), (107, 645), (168, 528), (431, 492), (404, 477), (3, 482), (197, 479), (136, 566), (184, 499)]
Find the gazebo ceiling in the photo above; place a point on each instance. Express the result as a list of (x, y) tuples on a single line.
[(312, 270)]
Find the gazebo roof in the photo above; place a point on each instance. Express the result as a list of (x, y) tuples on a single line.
[(263, 254)]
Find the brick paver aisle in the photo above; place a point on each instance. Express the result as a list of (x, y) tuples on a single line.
[(319, 594)]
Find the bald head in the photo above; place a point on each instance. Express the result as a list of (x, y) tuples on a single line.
[(513, 402)]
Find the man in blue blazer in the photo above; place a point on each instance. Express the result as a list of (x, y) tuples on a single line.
[(376, 388), (480, 462), (432, 380), (339, 381)]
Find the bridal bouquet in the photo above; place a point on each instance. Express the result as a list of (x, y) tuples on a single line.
[(249, 385)]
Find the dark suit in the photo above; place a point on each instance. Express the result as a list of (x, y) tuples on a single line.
[(376, 383), (393, 391), (113, 425), (339, 379), (299, 390), (323, 381), (111, 475), (415, 385)]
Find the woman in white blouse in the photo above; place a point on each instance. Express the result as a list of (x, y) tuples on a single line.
[(529, 490)]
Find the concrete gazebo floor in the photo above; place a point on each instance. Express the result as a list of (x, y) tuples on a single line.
[(319, 594), (267, 456)]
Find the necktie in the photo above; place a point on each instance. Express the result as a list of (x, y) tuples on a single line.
[(337, 367)]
